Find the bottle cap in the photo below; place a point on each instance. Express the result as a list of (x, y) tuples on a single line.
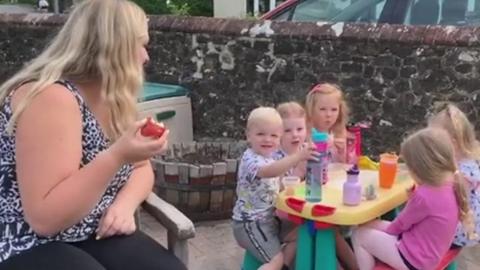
[(353, 170), (318, 136)]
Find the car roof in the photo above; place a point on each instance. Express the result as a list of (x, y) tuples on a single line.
[(279, 9)]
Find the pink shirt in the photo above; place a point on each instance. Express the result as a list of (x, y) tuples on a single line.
[(427, 225)]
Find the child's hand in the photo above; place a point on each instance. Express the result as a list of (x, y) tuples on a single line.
[(308, 152)]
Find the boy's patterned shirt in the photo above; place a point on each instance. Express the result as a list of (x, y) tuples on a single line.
[(256, 196)]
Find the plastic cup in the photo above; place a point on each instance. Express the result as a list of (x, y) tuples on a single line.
[(387, 170), (289, 184)]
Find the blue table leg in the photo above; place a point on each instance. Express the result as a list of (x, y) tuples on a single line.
[(452, 266), (304, 257), (325, 256), (250, 262)]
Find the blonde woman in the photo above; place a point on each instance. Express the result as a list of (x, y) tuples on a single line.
[(73, 166), (423, 232)]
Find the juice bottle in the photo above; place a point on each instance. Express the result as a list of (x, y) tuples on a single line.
[(352, 190), (354, 141)]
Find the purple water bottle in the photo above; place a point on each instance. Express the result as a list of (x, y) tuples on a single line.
[(352, 190)]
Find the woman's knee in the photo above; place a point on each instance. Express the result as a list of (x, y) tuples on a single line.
[(52, 256), (136, 251)]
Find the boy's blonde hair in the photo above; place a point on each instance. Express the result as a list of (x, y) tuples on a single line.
[(263, 115), (291, 109), (319, 90), (99, 41), (456, 123), (429, 157)]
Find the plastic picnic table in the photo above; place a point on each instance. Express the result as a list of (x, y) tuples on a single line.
[(316, 236)]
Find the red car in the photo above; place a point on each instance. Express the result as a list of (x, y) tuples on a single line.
[(413, 12)]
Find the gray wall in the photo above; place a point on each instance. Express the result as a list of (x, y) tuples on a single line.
[(392, 75)]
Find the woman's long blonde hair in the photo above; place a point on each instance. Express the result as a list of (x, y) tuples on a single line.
[(339, 127), (429, 157), (99, 41), (456, 123)]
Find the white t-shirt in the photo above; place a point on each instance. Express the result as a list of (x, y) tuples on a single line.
[(471, 171)]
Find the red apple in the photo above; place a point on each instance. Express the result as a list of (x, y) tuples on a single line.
[(152, 129)]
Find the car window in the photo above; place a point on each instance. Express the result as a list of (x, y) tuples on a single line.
[(343, 10), (413, 12), (472, 16), (443, 12), (284, 16), (370, 13), (318, 10)]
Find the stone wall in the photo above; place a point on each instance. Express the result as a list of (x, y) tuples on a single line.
[(392, 75)]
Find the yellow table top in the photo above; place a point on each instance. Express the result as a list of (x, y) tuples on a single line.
[(386, 200)]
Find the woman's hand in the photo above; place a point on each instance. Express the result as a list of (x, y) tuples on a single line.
[(132, 147), (118, 219)]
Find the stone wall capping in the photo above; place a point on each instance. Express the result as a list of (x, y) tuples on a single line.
[(428, 35)]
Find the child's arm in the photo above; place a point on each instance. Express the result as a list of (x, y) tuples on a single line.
[(281, 166), (339, 153), (414, 212), (339, 146), (300, 169)]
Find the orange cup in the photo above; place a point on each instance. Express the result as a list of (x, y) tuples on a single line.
[(388, 170)]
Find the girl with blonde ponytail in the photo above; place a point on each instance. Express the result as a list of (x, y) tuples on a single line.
[(423, 232), (467, 151), (73, 164)]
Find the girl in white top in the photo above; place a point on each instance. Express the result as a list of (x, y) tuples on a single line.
[(467, 152)]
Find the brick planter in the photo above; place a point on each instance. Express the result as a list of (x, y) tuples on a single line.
[(201, 190)]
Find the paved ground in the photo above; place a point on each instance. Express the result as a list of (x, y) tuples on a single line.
[(469, 259), (214, 248)]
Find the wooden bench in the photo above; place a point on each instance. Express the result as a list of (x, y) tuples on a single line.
[(179, 227)]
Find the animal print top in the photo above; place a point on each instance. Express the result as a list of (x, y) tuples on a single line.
[(16, 235)]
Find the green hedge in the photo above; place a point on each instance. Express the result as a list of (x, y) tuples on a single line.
[(196, 7), (154, 6), (177, 7)]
